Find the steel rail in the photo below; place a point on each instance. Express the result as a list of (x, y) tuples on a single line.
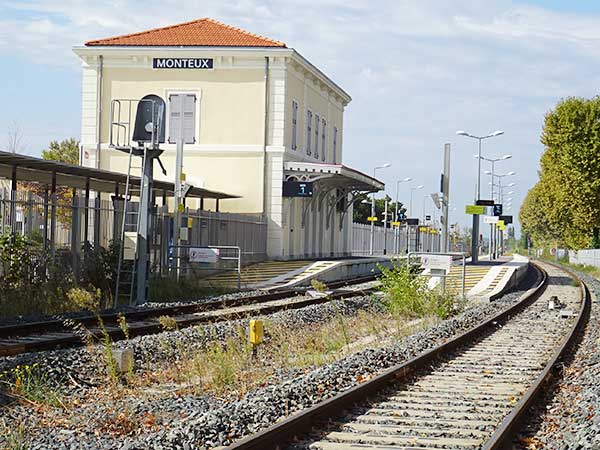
[(511, 423), (143, 322), (301, 423)]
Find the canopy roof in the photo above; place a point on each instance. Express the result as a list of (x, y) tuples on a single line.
[(331, 176), (40, 170)]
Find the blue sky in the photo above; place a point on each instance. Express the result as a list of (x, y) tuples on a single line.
[(417, 70)]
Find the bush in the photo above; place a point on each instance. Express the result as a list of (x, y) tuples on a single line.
[(406, 294)]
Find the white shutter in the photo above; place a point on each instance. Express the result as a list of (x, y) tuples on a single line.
[(189, 117)]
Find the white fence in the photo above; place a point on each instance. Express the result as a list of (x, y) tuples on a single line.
[(387, 243), (590, 257)]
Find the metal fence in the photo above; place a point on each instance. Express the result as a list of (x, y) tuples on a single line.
[(65, 222), (589, 257), (395, 241)]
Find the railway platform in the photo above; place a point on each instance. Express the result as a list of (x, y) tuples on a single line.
[(486, 280), (272, 275)]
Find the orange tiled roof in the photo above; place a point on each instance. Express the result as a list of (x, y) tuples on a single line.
[(197, 33)]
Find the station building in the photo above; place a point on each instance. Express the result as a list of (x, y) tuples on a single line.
[(261, 116)]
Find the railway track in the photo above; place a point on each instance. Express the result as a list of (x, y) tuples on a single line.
[(37, 336), (471, 392)]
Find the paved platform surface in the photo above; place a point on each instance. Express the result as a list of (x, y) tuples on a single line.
[(287, 274), (486, 279)]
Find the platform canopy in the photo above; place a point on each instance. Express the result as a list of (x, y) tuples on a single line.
[(17, 167), (332, 176)]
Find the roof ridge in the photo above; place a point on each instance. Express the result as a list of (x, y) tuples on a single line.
[(258, 36), (178, 25), (152, 30)]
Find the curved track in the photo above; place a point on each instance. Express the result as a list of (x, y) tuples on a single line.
[(36, 336), (469, 393)]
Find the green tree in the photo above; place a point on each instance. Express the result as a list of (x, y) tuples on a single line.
[(66, 151), (563, 209), (362, 209)]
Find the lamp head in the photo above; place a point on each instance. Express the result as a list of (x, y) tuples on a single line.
[(462, 133), (507, 157), (497, 133)]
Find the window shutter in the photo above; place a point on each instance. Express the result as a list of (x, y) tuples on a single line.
[(189, 117)]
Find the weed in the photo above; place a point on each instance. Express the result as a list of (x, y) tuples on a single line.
[(168, 323), (29, 383), (318, 286), (407, 294), (165, 289), (13, 439), (91, 301), (123, 325)]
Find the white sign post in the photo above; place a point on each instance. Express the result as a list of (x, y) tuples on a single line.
[(204, 255), (490, 219), (436, 262)]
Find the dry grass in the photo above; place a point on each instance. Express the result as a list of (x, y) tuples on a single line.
[(229, 368)]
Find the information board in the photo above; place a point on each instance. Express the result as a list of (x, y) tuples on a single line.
[(297, 189), (204, 255), (490, 219), (475, 210), (440, 262)]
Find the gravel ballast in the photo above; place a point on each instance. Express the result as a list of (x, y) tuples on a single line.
[(202, 421), (569, 419)]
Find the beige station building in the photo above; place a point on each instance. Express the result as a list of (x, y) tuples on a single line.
[(261, 115)]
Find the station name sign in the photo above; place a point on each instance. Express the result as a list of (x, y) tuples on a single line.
[(182, 63)]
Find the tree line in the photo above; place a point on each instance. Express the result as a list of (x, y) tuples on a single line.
[(563, 208)]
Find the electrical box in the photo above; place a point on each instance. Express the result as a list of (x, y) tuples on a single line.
[(256, 332)]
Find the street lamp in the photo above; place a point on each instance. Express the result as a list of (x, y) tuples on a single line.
[(384, 166), (413, 189), (475, 234), (397, 229)]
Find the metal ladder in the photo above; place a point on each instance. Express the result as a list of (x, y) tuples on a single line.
[(126, 269)]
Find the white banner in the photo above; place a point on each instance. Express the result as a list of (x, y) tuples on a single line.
[(442, 262), (204, 255), (490, 219)]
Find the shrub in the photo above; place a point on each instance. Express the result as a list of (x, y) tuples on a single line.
[(406, 294)]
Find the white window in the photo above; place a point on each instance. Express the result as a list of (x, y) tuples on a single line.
[(335, 131), (294, 124), (316, 136), (308, 131), (323, 139)]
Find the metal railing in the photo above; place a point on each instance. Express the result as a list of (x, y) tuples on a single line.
[(218, 259)]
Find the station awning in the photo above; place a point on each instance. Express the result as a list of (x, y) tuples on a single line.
[(30, 169), (332, 176)]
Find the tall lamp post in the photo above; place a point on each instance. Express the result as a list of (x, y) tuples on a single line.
[(500, 196), (493, 161), (475, 233), (410, 211), (397, 229), (384, 166)]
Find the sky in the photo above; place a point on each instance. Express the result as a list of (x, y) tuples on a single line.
[(417, 71)]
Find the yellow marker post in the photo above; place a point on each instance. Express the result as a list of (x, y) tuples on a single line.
[(190, 222), (256, 334)]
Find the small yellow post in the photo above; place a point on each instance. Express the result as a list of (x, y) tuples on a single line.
[(256, 334)]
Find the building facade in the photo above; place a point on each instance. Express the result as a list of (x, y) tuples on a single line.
[(259, 115)]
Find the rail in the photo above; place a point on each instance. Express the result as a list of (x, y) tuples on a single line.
[(302, 423)]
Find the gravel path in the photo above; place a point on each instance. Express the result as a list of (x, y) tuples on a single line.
[(570, 419), (169, 419)]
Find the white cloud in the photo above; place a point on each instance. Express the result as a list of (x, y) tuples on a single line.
[(417, 70)]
